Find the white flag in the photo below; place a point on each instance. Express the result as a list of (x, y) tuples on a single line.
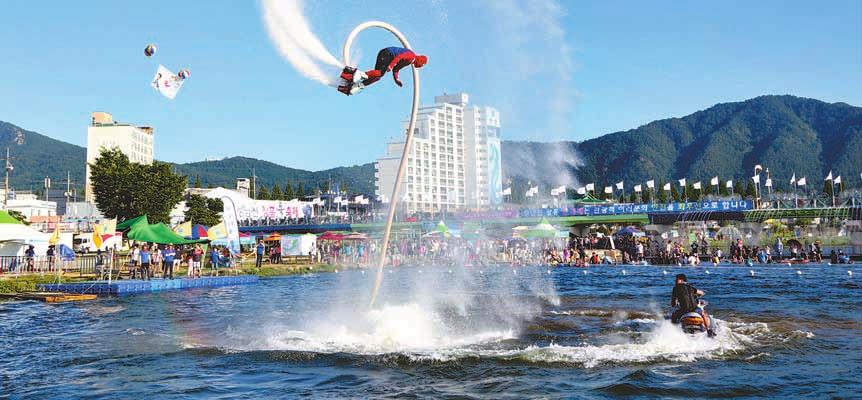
[(529, 193), (637, 188), (837, 180), (714, 181), (757, 168), (697, 185), (582, 190), (829, 177), (768, 182), (650, 184), (358, 199), (337, 199), (729, 184), (793, 179), (801, 181), (166, 82), (609, 189), (507, 191), (682, 182), (535, 190), (620, 185), (756, 178), (667, 186), (591, 186)]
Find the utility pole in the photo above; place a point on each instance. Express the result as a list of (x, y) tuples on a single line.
[(47, 187), (9, 169), (253, 183)]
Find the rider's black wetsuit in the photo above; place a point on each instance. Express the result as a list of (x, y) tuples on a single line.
[(684, 298)]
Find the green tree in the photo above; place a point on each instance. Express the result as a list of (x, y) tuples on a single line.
[(19, 216), (722, 189), (197, 181), (750, 192), (633, 197), (738, 189), (126, 190), (263, 193), (646, 195), (198, 211), (300, 192), (288, 191), (276, 192), (827, 188), (674, 194)]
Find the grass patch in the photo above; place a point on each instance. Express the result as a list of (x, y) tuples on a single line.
[(27, 283), (270, 270)]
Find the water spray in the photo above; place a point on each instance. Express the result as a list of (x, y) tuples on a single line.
[(408, 142)]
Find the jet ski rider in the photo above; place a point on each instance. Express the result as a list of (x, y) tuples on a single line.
[(684, 298)]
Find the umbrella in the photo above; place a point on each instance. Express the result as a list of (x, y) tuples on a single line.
[(630, 231), (274, 237), (330, 235), (198, 232)]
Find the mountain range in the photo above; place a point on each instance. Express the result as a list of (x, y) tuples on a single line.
[(787, 134)]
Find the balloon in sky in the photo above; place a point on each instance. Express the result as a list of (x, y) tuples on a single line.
[(150, 50), (184, 74)]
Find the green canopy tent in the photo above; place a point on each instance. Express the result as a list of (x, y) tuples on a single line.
[(130, 222), (441, 231), (589, 199), (142, 231), (543, 229)]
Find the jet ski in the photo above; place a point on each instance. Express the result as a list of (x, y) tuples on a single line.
[(351, 81), (694, 322)]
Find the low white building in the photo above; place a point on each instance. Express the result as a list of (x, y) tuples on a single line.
[(29, 205)]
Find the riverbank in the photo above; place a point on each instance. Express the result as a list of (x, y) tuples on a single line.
[(11, 284)]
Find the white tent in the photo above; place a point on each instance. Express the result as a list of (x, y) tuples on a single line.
[(15, 237)]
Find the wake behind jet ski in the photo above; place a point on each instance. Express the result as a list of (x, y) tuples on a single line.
[(690, 311)]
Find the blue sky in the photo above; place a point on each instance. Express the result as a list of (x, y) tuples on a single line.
[(556, 70)]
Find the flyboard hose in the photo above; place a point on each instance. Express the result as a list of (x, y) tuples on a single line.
[(408, 142)]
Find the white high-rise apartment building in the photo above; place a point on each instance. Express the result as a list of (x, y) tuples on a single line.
[(136, 142), (454, 162)]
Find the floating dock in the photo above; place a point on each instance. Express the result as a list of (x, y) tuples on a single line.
[(125, 287)]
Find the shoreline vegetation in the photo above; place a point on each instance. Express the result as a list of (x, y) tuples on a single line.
[(12, 284)]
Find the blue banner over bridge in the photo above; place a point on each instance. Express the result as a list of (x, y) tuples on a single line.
[(622, 209)]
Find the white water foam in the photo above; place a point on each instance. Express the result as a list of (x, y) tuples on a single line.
[(410, 328)]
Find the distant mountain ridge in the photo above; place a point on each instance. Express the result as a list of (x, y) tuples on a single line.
[(35, 156), (784, 133), (787, 134)]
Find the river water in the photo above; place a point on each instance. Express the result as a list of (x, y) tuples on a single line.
[(441, 332)]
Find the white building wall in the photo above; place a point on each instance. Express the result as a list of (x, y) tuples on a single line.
[(445, 168), (135, 142)]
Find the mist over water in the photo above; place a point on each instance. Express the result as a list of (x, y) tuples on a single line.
[(548, 164)]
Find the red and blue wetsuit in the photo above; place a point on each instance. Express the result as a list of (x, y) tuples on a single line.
[(390, 58)]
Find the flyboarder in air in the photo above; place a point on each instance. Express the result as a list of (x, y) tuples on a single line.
[(388, 59)]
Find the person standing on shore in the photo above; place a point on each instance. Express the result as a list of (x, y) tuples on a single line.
[(145, 263), (168, 255), (197, 254), (258, 262), (156, 261), (134, 258)]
